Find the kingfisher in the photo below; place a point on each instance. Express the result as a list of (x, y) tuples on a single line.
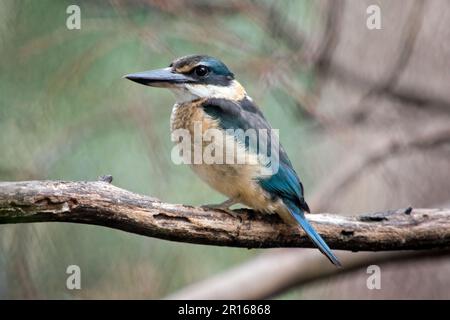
[(209, 97)]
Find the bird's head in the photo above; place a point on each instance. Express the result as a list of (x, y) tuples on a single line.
[(193, 77)]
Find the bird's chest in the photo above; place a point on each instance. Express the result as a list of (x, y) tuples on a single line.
[(190, 117), (189, 126), (213, 155)]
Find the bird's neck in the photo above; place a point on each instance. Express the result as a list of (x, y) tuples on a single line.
[(190, 92)]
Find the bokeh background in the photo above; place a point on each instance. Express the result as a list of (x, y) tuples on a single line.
[(364, 115)]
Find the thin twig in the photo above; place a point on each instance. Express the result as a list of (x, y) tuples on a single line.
[(341, 178), (272, 273)]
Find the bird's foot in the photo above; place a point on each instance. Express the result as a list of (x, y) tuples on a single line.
[(224, 206)]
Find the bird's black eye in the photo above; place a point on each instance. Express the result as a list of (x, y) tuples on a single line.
[(201, 71)]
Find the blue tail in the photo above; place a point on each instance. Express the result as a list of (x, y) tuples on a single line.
[(313, 235)]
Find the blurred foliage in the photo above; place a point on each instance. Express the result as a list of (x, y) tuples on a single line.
[(66, 114)]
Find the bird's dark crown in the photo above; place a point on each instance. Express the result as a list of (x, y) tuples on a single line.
[(204, 69)]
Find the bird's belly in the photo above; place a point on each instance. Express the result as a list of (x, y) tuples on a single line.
[(238, 182), (227, 179)]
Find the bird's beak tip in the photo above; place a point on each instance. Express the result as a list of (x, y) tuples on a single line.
[(135, 78), (157, 78)]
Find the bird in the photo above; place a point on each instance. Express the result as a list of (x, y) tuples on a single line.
[(208, 94)]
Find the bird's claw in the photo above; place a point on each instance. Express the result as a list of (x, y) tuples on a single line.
[(225, 209)]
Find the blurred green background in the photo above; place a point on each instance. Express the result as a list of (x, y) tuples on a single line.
[(67, 114)]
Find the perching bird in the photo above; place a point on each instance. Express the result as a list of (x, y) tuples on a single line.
[(208, 94)]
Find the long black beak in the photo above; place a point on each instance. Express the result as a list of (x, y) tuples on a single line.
[(159, 78)]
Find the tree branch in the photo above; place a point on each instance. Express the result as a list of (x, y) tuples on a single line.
[(100, 203)]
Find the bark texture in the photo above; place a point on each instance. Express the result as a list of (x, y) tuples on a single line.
[(100, 203)]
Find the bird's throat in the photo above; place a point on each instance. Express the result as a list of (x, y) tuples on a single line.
[(189, 92)]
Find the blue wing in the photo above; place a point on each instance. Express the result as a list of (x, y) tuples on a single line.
[(245, 115), (284, 184)]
